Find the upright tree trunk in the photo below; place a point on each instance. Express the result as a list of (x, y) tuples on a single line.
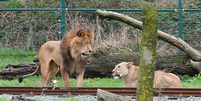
[(32, 27), (147, 51)]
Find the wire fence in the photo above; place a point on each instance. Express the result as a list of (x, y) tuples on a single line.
[(28, 28)]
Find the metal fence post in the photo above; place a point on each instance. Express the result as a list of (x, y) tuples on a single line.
[(180, 20), (63, 17), (60, 25)]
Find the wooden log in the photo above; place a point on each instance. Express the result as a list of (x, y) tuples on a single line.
[(104, 59), (103, 95), (194, 65), (14, 71), (36, 59)]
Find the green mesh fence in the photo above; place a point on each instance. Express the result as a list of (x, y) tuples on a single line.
[(25, 27)]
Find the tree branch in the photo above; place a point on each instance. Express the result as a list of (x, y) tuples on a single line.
[(179, 43)]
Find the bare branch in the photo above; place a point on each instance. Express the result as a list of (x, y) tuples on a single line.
[(179, 43)]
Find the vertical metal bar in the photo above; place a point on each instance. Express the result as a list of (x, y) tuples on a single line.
[(63, 17), (60, 33), (180, 20), (60, 21)]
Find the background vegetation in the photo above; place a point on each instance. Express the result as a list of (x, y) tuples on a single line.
[(17, 27), (25, 30), (28, 30), (14, 57)]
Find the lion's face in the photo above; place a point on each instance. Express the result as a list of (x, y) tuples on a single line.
[(81, 44), (121, 69), (85, 48)]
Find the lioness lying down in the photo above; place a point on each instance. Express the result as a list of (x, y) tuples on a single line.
[(129, 73)]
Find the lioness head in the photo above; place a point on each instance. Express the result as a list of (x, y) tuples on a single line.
[(121, 69)]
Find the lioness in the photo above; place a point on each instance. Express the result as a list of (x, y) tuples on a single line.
[(70, 54), (129, 73)]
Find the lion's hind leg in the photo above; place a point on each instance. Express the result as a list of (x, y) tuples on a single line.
[(160, 81), (166, 81), (48, 73)]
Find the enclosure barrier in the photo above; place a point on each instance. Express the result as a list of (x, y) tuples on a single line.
[(63, 10)]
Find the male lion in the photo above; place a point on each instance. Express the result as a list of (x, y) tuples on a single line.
[(70, 54), (129, 73)]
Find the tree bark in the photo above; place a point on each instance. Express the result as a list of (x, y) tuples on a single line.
[(15, 71), (147, 51), (32, 28), (194, 65), (179, 43)]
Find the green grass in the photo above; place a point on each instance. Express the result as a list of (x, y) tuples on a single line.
[(14, 57), (191, 82), (9, 51), (34, 81), (18, 57), (4, 99), (188, 82)]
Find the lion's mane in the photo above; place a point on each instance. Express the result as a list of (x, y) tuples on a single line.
[(69, 48)]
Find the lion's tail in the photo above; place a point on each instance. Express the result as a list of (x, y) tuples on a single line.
[(20, 79)]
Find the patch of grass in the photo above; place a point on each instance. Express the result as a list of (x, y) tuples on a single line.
[(15, 60), (188, 82), (34, 81), (4, 99), (103, 82), (30, 81), (14, 57), (10, 51), (191, 82)]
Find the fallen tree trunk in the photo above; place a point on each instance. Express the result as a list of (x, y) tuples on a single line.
[(179, 43), (103, 60), (14, 71), (194, 65)]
